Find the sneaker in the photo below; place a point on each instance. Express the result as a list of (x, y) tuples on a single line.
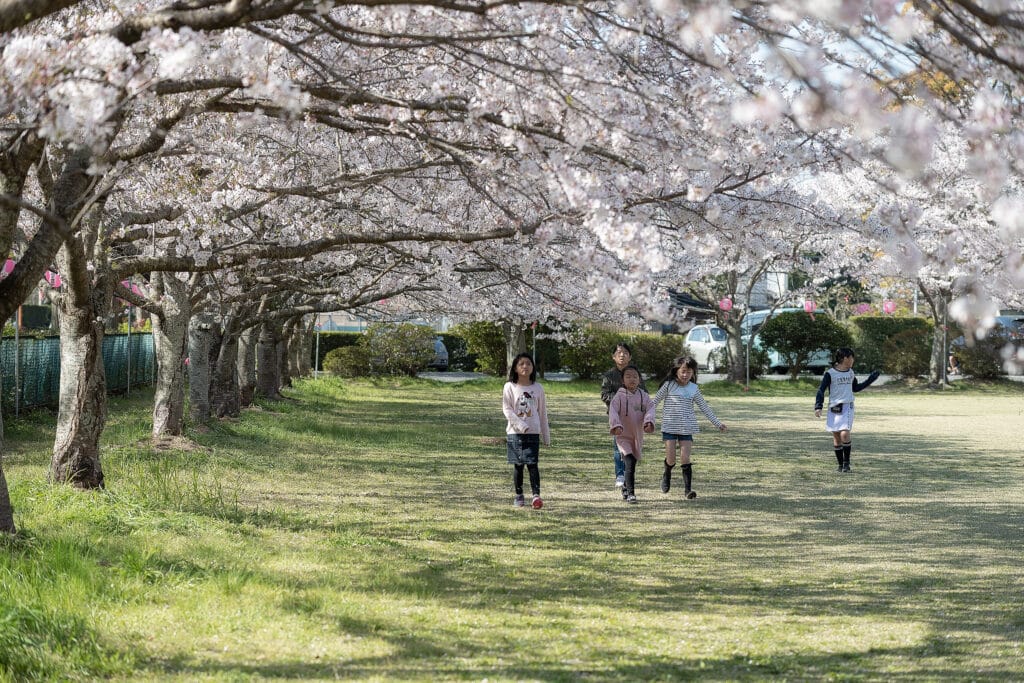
[(620, 482), (631, 499), (520, 501), (691, 495), (625, 494), (537, 503)]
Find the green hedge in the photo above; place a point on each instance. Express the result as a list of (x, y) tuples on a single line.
[(591, 355), (870, 334), (330, 341)]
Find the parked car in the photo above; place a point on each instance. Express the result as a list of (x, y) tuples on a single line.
[(440, 361), (704, 341), (752, 322)]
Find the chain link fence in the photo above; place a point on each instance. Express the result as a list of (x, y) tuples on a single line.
[(30, 368)]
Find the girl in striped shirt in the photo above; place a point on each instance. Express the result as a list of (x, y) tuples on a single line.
[(679, 421)]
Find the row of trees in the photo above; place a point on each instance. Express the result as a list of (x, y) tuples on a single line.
[(248, 163)]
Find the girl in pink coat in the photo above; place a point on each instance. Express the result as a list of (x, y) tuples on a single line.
[(630, 414)]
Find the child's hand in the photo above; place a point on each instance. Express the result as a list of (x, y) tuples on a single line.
[(817, 412), (722, 428), (617, 431), (649, 427)]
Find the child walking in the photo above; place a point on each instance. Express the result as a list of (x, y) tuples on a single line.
[(841, 384), (611, 381), (523, 404), (630, 414), (679, 421)]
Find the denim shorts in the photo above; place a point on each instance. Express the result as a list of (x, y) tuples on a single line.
[(665, 436), (522, 449)]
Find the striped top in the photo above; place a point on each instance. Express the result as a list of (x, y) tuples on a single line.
[(678, 416)]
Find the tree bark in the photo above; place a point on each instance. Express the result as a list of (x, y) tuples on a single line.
[(515, 340), (169, 335), (6, 509), (200, 339), (268, 364), (304, 361), (937, 303), (83, 399), (285, 352), (246, 367), (225, 392)]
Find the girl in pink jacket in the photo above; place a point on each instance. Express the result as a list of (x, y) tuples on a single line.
[(630, 414)]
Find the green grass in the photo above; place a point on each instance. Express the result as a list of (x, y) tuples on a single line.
[(364, 531)]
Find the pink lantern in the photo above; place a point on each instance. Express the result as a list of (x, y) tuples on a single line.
[(725, 304), (8, 267), (53, 279), (889, 306), (810, 306)]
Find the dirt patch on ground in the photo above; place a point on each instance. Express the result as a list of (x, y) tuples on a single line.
[(492, 440)]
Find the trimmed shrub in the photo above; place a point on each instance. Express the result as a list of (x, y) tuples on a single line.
[(347, 361), (330, 341), (870, 333), (485, 342), (589, 353), (654, 353), (402, 349), (796, 336), (983, 360), (908, 353), (459, 357)]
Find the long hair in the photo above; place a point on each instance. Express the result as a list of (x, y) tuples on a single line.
[(688, 361), (513, 376)]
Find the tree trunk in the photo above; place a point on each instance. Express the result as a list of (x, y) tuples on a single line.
[(246, 367), (83, 399), (169, 332), (737, 353), (268, 363), (937, 301), (6, 509), (515, 341), (283, 354), (940, 342), (283, 367), (304, 361), (199, 340), (225, 394)]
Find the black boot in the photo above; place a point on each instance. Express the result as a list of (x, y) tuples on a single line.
[(839, 457), (688, 480), (846, 456), (629, 487), (666, 478)]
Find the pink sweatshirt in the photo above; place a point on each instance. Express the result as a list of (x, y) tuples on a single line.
[(631, 412), (526, 410)]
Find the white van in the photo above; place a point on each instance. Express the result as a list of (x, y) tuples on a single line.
[(818, 362)]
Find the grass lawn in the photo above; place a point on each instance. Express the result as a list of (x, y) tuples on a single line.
[(364, 531)]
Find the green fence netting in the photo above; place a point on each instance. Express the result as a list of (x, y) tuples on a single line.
[(30, 369)]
